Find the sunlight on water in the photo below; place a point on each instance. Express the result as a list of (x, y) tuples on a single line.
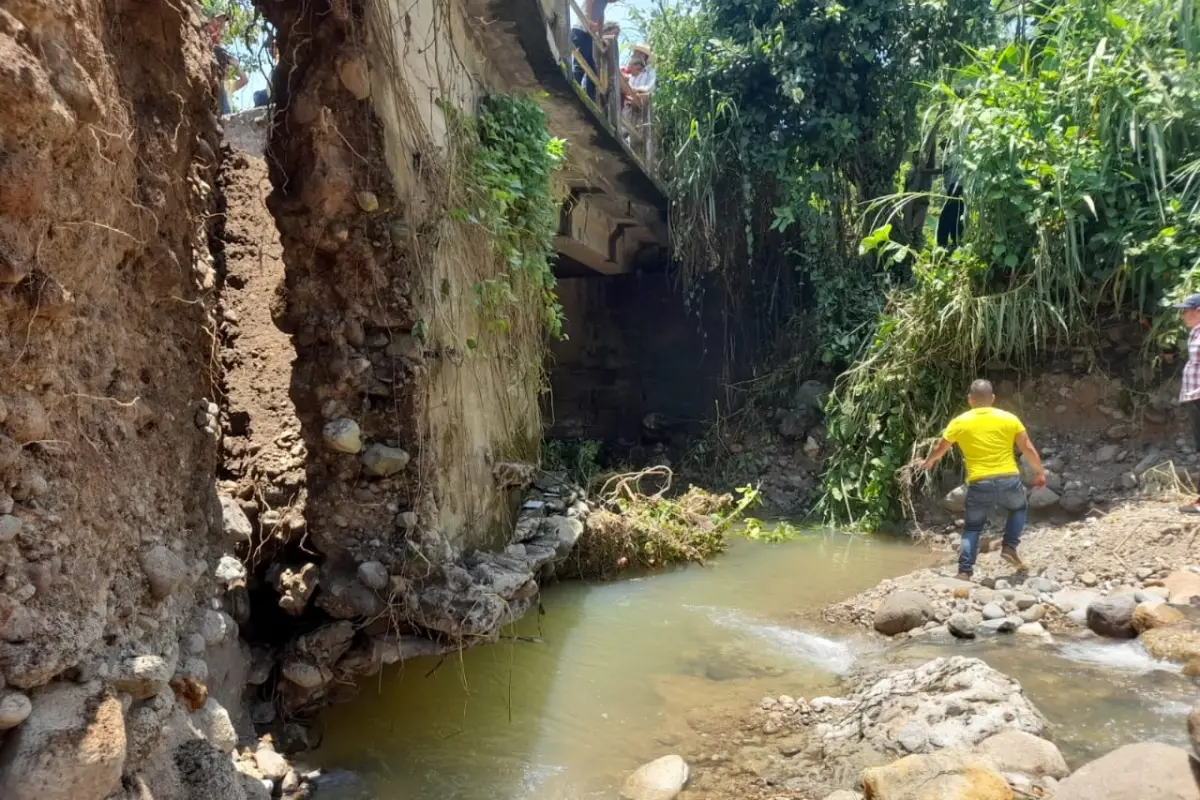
[(616, 671)]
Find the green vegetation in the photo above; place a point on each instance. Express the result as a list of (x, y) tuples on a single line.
[(510, 158), (634, 530), (757, 531), (804, 143), (579, 458)]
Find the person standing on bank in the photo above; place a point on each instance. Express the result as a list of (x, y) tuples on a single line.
[(986, 436), (581, 40), (1189, 390)]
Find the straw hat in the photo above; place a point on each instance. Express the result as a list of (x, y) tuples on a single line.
[(644, 49)]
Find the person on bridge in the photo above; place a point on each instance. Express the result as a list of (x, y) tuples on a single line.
[(582, 41), (986, 436), (226, 63)]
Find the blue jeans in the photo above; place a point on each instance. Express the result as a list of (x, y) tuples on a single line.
[(982, 497), (582, 41)]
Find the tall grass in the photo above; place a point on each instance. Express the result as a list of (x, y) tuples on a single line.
[(1077, 150)]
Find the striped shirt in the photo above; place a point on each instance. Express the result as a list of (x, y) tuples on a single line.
[(1190, 390)]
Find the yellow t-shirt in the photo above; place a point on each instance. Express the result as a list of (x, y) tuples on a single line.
[(986, 437)]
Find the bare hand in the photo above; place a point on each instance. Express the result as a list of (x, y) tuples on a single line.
[(926, 465), (1039, 480), (596, 27)]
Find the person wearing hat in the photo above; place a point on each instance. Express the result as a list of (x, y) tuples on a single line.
[(641, 75), (1189, 390), (215, 25)]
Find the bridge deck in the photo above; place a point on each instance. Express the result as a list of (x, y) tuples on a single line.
[(614, 219)]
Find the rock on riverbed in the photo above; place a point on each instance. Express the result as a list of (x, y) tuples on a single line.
[(661, 779), (1134, 772)]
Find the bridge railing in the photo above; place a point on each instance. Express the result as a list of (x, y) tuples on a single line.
[(632, 120)]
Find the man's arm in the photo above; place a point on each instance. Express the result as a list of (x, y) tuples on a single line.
[(1025, 445), (589, 8), (943, 447)]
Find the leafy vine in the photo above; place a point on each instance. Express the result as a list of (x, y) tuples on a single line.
[(506, 190)]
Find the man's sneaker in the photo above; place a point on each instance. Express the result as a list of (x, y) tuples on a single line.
[(962, 576), (1192, 508), (1009, 554)]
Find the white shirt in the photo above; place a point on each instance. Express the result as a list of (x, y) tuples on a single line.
[(644, 80)]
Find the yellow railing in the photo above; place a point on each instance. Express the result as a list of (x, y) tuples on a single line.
[(633, 124)]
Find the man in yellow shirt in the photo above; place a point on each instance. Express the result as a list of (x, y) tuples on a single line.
[(986, 436)]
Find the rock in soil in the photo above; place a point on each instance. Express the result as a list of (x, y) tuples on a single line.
[(661, 779), (71, 747), (1134, 772)]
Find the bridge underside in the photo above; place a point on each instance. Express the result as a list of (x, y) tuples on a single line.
[(613, 218)]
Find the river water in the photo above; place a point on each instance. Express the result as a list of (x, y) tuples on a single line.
[(608, 675)]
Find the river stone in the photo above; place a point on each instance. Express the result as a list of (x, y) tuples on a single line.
[(234, 522), (1034, 613), (373, 575), (1018, 751), (962, 626), (844, 794), (902, 611), (14, 709), (1179, 642), (164, 570), (71, 747), (381, 460), (1145, 771), (1045, 497), (272, 765), (1031, 629), (1024, 601), (1040, 585), (945, 775), (661, 779), (1182, 585), (1112, 616), (955, 500), (342, 436), (213, 722), (993, 611), (1003, 625), (10, 526), (1150, 615)]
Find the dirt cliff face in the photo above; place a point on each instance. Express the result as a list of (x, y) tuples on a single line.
[(109, 523)]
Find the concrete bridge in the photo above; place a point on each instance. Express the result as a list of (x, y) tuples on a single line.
[(614, 218)]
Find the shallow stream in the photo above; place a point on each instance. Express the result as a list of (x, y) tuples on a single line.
[(609, 675)]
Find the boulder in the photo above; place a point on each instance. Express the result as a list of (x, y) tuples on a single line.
[(206, 773), (1074, 501), (955, 500), (1182, 585), (1179, 642), (993, 611), (1002, 625), (1147, 616), (945, 775), (962, 626), (902, 611), (1032, 629), (1135, 772), (71, 747), (1113, 616), (1018, 751), (272, 765), (661, 779), (1045, 497), (1034, 613), (944, 703)]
